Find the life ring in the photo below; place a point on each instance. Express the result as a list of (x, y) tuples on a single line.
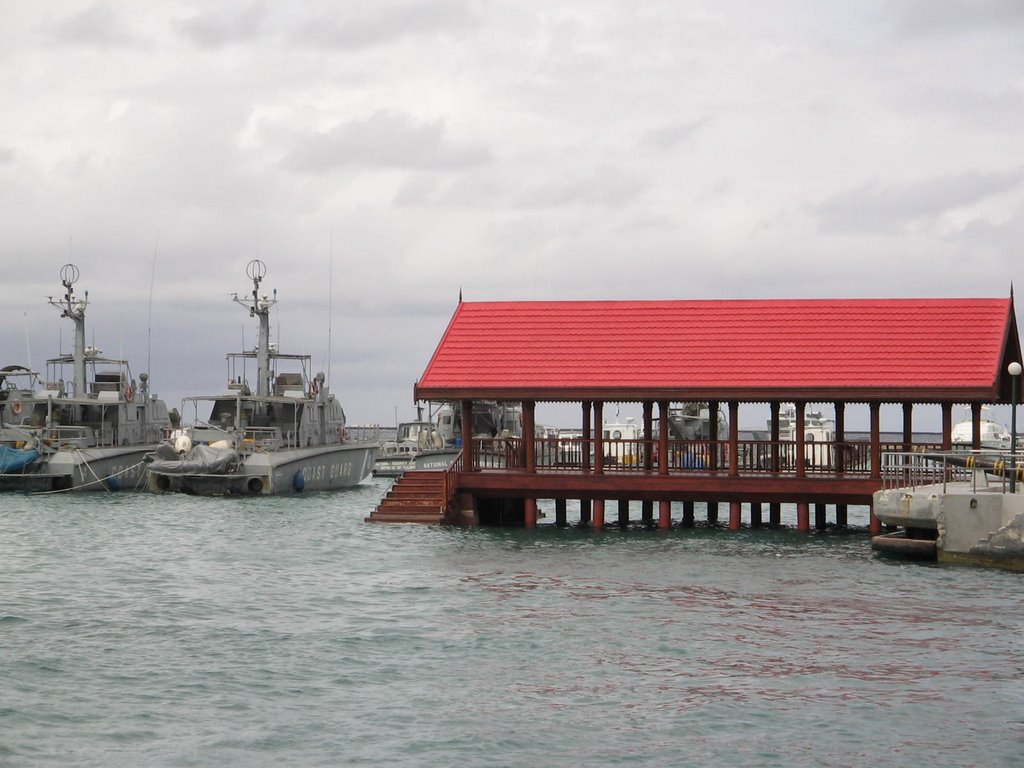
[(342, 434), (129, 393), (16, 407), (314, 389)]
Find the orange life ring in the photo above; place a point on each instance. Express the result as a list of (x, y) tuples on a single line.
[(129, 393), (343, 434), (16, 407), (314, 389)]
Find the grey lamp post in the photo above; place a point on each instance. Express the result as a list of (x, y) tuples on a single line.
[(1014, 370)]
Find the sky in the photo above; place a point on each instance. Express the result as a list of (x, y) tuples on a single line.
[(382, 157)]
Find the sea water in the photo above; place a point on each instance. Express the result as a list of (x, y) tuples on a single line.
[(140, 630)]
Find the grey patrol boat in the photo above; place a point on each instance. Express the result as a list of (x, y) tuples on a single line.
[(287, 436), (91, 432)]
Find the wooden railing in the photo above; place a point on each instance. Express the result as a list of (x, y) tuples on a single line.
[(752, 456), (451, 475)]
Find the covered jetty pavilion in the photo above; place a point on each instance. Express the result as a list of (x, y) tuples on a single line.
[(723, 353)]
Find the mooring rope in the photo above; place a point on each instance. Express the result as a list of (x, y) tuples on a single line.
[(97, 481)]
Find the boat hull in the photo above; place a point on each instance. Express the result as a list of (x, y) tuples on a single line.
[(83, 469), (287, 471)]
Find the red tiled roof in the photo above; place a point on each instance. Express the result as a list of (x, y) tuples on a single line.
[(866, 347)]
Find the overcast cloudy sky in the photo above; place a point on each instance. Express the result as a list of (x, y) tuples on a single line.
[(380, 156)]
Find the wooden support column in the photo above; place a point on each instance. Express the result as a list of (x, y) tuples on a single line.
[(647, 511), (820, 521), (774, 437), (775, 514), (874, 524), (598, 522), (803, 516), (735, 515), (976, 426), (755, 514), (713, 439), (598, 440), (470, 461), (664, 514), (876, 440), (530, 513), (623, 513), (734, 440), (687, 521), (587, 432), (801, 433), (839, 438), (947, 426), (908, 427), (530, 435), (585, 504), (841, 515), (712, 512), (648, 435), (560, 516), (663, 458)]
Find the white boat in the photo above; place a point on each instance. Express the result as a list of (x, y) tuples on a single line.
[(993, 434), (290, 435), (819, 434), (397, 455), (90, 430), (491, 419)]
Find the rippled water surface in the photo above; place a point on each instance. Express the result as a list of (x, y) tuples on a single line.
[(178, 631)]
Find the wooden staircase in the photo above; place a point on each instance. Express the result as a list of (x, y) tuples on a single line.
[(415, 497)]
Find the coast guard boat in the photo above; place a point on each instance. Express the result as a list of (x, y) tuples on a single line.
[(89, 432), (288, 436)]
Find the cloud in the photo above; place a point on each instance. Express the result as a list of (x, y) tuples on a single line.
[(384, 140), (886, 208), (223, 25), (605, 186), (350, 26), (924, 17), (6, 156), (668, 137), (97, 26)]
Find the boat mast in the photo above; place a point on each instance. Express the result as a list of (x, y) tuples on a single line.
[(260, 307), (75, 309)]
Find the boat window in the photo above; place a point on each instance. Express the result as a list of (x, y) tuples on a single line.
[(616, 434)]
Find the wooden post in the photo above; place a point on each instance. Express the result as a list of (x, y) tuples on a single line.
[(598, 522), (801, 433), (648, 435), (907, 427), (841, 515), (820, 521), (976, 426), (663, 458), (585, 440), (470, 460), (734, 439), (803, 514), (712, 512), (687, 521), (664, 514), (775, 514), (839, 437), (774, 437), (755, 514), (560, 512), (647, 511), (585, 505), (735, 515), (947, 426), (874, 524), (530, 435), (530, 513), (599, 439), (876, 440), (623, 513)]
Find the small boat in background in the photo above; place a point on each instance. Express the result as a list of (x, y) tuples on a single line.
[(993, 434), (289, 435), (87, 431), (397, 455)]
